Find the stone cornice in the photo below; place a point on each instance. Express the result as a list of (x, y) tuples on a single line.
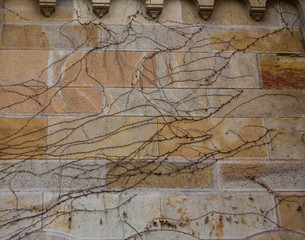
[(154, 8)]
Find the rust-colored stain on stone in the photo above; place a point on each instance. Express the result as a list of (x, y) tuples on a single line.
[(282, 72)]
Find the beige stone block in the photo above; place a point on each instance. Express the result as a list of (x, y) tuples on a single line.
[(291, 211), (290, 14), (212, 138), (156, 102), (72, 100), (22, 138), (155, 37), (19, 36), (71, 36), (257, 103), (207, 70), (146, 174), (20, 213), (277, 176), (232, 12), (102, 137), (260, 40), (102, 216), (278, 235), (19, 100), (282, 72), (287, 138), (23, 66), (226, 216), (51, 175), (105, 69)]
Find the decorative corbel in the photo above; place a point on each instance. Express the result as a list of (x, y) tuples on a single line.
[(100, 7), (47, 7), (154, 7), (205, 8), (257, 8)]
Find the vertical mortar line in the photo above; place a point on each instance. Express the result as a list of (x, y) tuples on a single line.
[(180, 11), (260, 81), (216, 178)]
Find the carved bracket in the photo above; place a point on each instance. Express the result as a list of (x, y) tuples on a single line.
[(205, 8), (47, 7), (154, 7), (100, 7), (257, 9)]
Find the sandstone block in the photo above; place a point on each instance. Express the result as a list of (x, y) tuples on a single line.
[(146, 174), (258, 40), (156, 102), (19, 100), (155, 37), (104, 216), (71, 36), (102, 137), (19, 213), (281, 72), (212, 138), (291, 211), (22, 138), (287, 138), (70, 100), (23, 66), (37, 175), (215, 216), (207, 70), (19, 36), (279, 175), (257, 103), (108, 69)]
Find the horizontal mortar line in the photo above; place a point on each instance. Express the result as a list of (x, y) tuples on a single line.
[(156, 192)]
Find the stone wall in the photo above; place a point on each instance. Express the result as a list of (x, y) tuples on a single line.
[(128, 127)]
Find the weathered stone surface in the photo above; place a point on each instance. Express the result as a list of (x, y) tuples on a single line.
[(288, 138), (22, 138), (72, 100), (155, 37), (209, 138), (232, 12), (105, 216), (19, 36), (291, 211), (109, 69), (145, 174), (207, 70), (291, 14), (281, 235), (71, 36), (102, 137), (19, 100), (29, 11), (51, 174), (279, 175), (257, 103), (14, 205), (21, 66), (260, 40), (281, 72), (156, 102), (214, 216)]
